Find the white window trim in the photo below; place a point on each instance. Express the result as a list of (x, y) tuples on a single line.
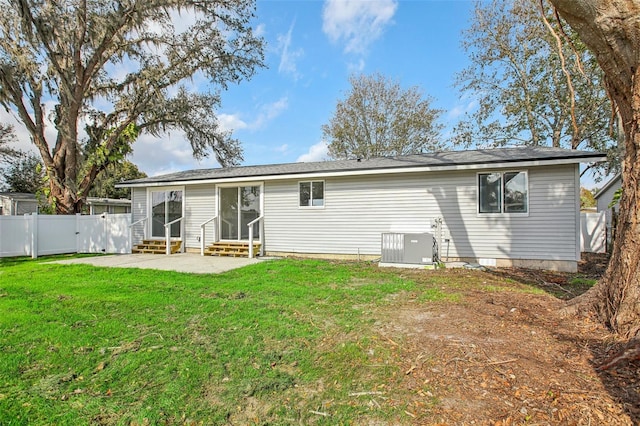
[(502, 212), (237, 185), (324, 195)]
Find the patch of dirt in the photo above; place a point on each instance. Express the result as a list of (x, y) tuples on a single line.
[(507, 357)]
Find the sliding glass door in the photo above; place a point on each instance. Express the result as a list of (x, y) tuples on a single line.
[(166, 206), (238, 207)]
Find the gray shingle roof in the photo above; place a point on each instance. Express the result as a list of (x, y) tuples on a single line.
[(19, 196), (430, 160)]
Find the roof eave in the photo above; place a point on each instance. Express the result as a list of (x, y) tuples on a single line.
[(373, 171), (607, 185)]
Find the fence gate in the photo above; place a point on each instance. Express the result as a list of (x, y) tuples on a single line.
[(91, 234), (103, 234)]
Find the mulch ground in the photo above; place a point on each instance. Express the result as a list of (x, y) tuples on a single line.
[(508, 357)]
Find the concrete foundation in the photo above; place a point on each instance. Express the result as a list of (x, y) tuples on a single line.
[(549, 265)]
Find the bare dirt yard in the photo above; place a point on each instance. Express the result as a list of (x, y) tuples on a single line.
[(505, 356)]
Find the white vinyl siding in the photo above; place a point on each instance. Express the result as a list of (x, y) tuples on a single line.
[(604, 198), (138, 212), (200, 206), (358, 210)]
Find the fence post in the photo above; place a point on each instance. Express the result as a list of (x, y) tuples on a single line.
[(106, 235), (77, 232), (34, 235), (167, 238)]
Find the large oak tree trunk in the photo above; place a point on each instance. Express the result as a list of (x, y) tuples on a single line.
[(617, 296), (611, 30)]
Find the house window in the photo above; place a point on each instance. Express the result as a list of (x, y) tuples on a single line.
[(166, 206), (503, 192), (311, 194)]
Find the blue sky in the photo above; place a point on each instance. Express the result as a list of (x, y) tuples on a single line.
[(312, 47)]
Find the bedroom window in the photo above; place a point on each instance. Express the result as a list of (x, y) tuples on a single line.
[(311, 193), (503, 192)]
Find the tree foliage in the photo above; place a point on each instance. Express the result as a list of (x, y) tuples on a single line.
[(24, 174), (528, 89), (105, 184), (587, 199), (6, 137), (117, 67), (379, 118), (609, 28)]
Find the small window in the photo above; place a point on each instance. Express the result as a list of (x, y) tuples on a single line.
[(506, 192), (311, 194), (490, 193), (515, 192)]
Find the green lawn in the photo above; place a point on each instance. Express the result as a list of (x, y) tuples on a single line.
[(281, 342)]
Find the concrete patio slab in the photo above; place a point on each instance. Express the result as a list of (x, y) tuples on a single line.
[(180, 262)]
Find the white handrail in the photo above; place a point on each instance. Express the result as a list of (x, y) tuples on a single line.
[(144, 229), (250, 225), (202, 233), (139, 221), (167, 233)]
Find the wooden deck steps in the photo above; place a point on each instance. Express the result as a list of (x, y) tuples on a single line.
[(234, 249), (156, 247)]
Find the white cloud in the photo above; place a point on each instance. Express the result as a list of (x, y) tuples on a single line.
[(171, 152), (23, 137), (317, 152), (260, 30), (266, 113), (270, 111), (357, 23), (168, 153), (231, 122), (356, 67), (183, 19), (282, 148), (461, 109), (288, 57)]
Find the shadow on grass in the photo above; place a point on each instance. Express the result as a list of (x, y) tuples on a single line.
[(562, 285), (14, 261)]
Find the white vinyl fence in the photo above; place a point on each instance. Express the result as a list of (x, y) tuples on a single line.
[(37, 235), (593, 232)]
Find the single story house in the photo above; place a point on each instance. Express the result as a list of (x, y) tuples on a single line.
[(99, 205), (504, 207), (17, 203)]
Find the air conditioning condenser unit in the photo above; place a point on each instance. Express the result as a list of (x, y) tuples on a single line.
[(407, 248)]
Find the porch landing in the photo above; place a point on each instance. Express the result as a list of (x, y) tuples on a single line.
[(180, 262)]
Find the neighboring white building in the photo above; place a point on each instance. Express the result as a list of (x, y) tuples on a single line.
[(17, 203), (504, 207), (604, 198), (108, 205)]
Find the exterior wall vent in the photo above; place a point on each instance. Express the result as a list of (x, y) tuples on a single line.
[(407, 248)]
